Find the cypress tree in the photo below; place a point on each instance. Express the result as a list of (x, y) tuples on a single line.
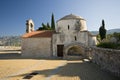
[(102, 31), (52, 22)]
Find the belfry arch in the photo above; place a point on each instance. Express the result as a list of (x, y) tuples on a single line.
[(75, 49), (29, 26)]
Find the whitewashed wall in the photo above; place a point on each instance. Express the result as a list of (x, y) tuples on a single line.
[(92, 40), (62, 25), (63, 39), (36, 47)]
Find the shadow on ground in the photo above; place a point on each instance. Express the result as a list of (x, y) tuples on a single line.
[(16, 54), (83, 71), (10, 56)]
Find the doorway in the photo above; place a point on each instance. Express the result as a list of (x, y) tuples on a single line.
[(60, 50)]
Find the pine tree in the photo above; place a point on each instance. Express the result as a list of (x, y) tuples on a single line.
[(44, 26), (48, 25), (102, 31), (52, 22)]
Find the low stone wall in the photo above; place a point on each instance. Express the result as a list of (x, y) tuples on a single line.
[(10, 47), (108, 59)]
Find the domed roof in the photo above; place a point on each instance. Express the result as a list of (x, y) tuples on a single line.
[(71, 16)]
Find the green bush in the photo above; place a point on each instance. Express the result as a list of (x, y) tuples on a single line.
[(109, 45)]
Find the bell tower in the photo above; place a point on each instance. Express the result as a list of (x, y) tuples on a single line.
[(29, 26)]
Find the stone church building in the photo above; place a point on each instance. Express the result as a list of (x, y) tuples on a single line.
[(69, 39)]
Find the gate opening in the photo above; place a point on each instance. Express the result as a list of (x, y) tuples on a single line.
[(75, 51)]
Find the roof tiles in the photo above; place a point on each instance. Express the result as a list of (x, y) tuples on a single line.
[(35, 34)]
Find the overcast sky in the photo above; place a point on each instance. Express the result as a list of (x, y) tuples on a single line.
[(14, 13)]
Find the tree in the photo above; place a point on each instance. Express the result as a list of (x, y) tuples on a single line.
[(44, 27), (48, 26), (52, 22), (102, 31), (40, 28), (117, 36)]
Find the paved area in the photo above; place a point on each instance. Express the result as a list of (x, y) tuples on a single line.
[(50, 69)]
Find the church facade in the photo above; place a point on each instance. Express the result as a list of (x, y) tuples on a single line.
[(68, 39)]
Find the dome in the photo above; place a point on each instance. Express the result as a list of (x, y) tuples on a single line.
[(75, 23), (71, 16)]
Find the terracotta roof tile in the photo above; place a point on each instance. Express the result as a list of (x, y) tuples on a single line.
[(42, 33)]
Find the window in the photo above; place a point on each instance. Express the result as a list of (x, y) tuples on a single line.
[(31, 25), (68, 27), (75, 38)]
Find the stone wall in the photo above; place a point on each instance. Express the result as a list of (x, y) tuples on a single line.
[(108, 59), (36, 47), (92, 40), (66, 39)]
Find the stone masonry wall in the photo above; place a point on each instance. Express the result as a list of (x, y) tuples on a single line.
[(108, 59), (36, 47)]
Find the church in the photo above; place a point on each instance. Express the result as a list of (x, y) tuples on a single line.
[(67, 40)]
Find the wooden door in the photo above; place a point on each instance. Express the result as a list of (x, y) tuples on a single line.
[(60, 50)]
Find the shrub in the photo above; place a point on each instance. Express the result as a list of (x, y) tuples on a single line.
[(109, 45)]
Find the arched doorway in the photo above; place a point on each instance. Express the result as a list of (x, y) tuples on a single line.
[(74, 50)]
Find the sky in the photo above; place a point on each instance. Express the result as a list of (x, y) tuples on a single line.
[(14, 13)]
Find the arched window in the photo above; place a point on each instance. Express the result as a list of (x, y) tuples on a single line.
[(31, 25)]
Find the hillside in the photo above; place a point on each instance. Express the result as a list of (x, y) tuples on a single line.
[(10, 41), (111, 31)]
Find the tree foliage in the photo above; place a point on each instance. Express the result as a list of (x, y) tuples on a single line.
[(44, 27), (52, 22), (117, 36), (47, 26), (107, 43), (102, 31)]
